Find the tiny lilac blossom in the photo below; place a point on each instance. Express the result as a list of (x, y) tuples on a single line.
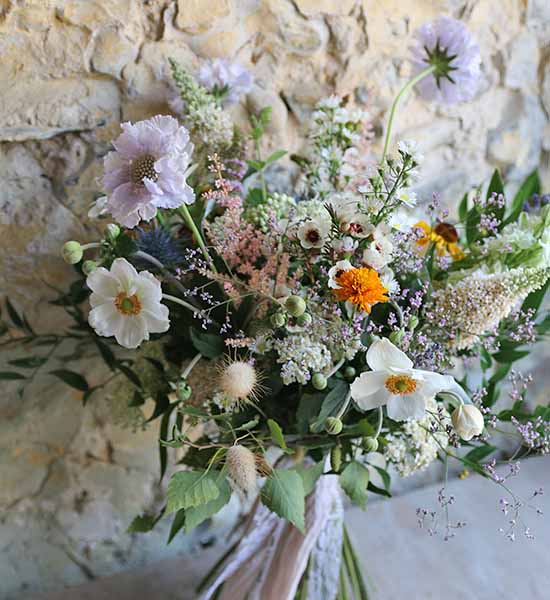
[(228, 79)]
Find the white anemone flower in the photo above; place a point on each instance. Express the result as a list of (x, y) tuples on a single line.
[(395, 384), (126, 304), (334, 272)]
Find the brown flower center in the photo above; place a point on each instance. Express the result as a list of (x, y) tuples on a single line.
[(447, 232), (143, 167), (400, 384), (127, 305), (312, 236)]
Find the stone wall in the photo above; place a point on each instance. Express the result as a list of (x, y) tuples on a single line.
[(71, 71)]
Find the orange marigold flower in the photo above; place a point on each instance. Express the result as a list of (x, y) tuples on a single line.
[(444, 236), (362, 287)]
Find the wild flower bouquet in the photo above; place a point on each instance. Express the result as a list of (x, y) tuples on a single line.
[(299, 344)]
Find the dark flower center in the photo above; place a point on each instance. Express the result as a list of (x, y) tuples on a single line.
[(447, 232), (143, 167), (312, 236)]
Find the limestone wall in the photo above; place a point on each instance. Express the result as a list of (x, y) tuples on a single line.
[(70, 72)]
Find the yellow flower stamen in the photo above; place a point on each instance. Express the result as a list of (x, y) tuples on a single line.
[(127, 305), (362, 287), (400, 384)]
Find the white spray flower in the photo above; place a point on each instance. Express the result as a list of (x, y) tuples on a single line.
[(313, 233)]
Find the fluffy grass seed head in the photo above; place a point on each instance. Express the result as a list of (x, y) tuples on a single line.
[(241, 467), (239, 383)]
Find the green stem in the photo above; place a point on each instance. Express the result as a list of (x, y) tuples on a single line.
[(191, 365), (406, 88), (363, 595), (184, 212), (262, 176), (380, 420), (181, 302)]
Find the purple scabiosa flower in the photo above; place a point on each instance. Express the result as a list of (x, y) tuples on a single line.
[(226, 80), (148, 170), (447, 45)]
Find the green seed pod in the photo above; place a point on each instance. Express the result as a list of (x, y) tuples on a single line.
[(88, 266), (350, 373), (396, 336), (183, 390), (336, 458), (370, 444), (319, 381), (112, 231), (304, 320), (333, 426), (72, 252), (295, 305), (278, 319)]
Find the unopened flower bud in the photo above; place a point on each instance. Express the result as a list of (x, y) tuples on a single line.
[(336, 458), (295, 305), (467, 421), (88, 266), (278, 319), (349, 373), (112, 231), (183, 390), (72, 252), (396, 336), (319, 381), (304, 320), (241, 467), (333, 426), (370, 444)]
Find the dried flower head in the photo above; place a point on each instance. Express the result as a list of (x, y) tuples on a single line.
[(241, 466), (239, 383)]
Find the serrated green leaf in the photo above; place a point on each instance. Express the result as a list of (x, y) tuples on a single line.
[(310, 475), (208, 344), (71, 378), (276, 433), (190, 488), (354, 481), (195, 515), (11, 376), (283, 493)]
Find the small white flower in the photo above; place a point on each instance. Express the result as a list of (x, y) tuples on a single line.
[(126, 304), (334, 272), (313, 233), (467, 421), (393, 382), (346, 245), (360, 226), (99, 208), (411, 148), (388, 280), (406, 197)]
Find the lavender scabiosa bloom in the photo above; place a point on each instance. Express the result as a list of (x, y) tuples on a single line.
[(148, 170), (446, 45), (226, 80)]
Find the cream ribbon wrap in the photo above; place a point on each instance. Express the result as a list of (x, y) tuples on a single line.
[(272, 555)]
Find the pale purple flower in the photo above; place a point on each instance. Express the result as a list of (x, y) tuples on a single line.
[(148, 170), (446, 44), (229, 80)]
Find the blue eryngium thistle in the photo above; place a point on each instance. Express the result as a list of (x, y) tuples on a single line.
[(159, 244), (446, 45)]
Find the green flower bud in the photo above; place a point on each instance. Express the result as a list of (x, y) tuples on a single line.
[(112, 231), (319, 381), (295, 305), (333, 426), (396, 336), (370, 444), (88, 266), (350, 373), (304, 320), (413, 323), (72, 252), (183, 390), (336, 458), (278, 319)]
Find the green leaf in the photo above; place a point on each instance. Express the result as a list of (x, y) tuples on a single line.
[(479, 453), (534, 299), (72, 379), (10, 376), (190, 488), (283, 493), (354, 481), (510, 356), (143, 523), (275, 156), (463, 208), (310, 475), (33, 362), (332, 402), (177, 524), (208, 344), (129, 374), (106, 353), (308, 408), (530, 186), (496, 185), (125, 246), (195, 515), (276, 433), (14, 315), (386, 479), (256, 165)]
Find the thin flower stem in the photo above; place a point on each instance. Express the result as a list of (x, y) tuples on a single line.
[(336, 367), (406, 88), (380, 421), (347, 400), (181, 302), (191, 365), (184, 212), (91, 245)]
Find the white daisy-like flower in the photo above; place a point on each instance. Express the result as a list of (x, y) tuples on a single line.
[(406, 197), (335, 272), (360, 226), (126, 304), (313, 233), (346, 245), (394, 383), (411, 148)]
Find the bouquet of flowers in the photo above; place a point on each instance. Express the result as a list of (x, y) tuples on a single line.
[(301, 344)]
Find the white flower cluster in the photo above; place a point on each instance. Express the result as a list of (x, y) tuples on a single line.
[(415, 447), (300, 357), (276, 207)]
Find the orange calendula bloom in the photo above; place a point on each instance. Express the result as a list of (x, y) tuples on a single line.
[(444, 236), (361, 287)]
